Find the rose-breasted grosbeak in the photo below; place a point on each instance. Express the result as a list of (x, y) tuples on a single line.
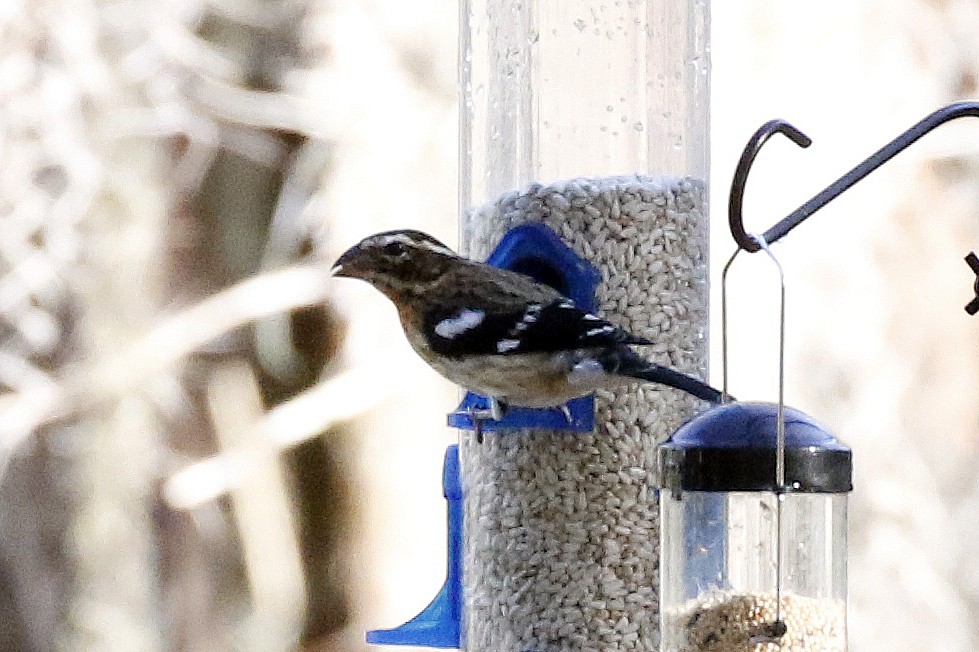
[(497, 332)]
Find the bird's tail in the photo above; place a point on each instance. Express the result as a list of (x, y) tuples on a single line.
[(625, 362)]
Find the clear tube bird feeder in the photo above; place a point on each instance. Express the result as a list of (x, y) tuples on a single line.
[(590, 120)]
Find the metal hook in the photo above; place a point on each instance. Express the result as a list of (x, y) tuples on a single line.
[(736, 201), (838, 187)]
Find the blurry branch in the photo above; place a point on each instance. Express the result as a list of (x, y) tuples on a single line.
[(24, 377), (182, 48), (342, 397), (292, 222), (263, 512), (83, 387), (255, 13), (261, 109)]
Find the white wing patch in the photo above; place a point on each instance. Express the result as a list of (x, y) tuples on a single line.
[(507, 345), (463, 321), (529, 317), (598, 331)]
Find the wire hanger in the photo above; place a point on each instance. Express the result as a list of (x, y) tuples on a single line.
[(887, 152)]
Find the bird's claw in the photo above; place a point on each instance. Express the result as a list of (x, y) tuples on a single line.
[(566, 411), (478, 424), (495, 411)]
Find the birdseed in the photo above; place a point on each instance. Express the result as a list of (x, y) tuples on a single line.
[(562, 529), (726, 621)]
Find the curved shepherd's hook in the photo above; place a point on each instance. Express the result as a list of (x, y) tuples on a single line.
[(838, 187)]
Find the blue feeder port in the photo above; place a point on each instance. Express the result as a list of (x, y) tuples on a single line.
[(439, 625), (535, 250)]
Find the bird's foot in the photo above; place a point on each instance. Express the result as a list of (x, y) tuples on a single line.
[(495, 411), (566, 411)]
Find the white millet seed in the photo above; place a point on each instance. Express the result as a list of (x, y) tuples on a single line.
[(562, 529)]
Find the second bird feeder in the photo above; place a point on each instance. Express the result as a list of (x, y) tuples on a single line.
[(746, 561)]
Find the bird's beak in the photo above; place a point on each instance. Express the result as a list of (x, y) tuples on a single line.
[(345, 266)]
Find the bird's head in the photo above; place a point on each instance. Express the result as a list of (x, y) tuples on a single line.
[(396, 262)]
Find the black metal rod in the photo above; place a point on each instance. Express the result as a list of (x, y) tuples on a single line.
[(838, 187)]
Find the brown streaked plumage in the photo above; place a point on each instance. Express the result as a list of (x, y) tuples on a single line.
[(497, 332)]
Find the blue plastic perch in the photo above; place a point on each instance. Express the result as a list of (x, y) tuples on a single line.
[(440, 623), (535, 250)]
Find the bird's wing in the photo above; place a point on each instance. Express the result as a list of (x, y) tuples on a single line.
[(529, 328)]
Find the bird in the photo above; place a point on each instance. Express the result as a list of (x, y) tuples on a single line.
[(500, 333)]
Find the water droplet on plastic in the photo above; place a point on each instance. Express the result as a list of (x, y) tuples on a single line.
[(579, 24), (637, 126)]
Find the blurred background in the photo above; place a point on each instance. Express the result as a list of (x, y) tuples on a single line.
[(207, 444)]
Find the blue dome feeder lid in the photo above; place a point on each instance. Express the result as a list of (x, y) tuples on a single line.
[(732, 448), (535, 250), (439, 625)]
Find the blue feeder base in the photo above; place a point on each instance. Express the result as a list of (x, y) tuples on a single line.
[(439, 625)]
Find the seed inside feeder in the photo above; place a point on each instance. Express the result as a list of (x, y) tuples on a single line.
[(561, 530), (725, 621)]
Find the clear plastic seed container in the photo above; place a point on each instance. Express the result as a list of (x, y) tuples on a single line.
[(746, 566), (589, 119)]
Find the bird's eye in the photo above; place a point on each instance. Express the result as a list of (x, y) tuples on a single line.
[(395, 249)]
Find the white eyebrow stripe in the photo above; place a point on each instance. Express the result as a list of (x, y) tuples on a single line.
[(394, 237), (405, 239), (434, 247), (463, 321)]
